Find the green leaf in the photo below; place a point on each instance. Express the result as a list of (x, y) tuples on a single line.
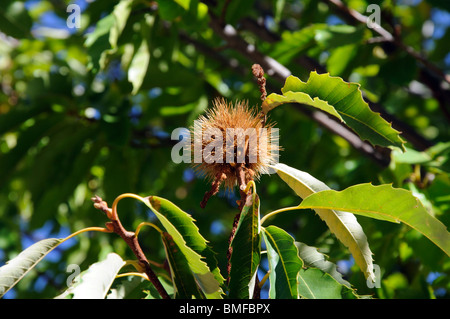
[(63, 163), (170, 10), (185, 286), (95, 282), (15, 20), (102, 28), (185, 234), (141, 59), (400, 69), (138, 66), (152, 293), (293, 43), (343, 224), (274, 100), (315, 284), (19, 114), (284, 263), (26, 140), (130, 287), (440, 149), (120, 13), (246, 253), (435, 157), (312, 258), (18, 267), (340, 59), (328, 93), (317, 36), (339, 35), (410, 156), (98, 43), (383, 202)]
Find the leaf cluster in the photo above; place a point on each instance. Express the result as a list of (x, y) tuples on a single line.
[(90, 111)]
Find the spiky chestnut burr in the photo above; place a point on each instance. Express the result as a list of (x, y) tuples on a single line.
[(243, 145)]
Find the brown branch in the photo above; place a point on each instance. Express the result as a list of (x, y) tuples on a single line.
[(279, 72), (258, 73), (130, 238), (230, 239), (311, 64), (223, 13), (273, 68), (220, 177), (354, 17), (242, 183)]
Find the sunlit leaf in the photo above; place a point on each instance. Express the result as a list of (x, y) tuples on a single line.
[(274, 100), (312, 258), (98, 43), (246, 253), (340, 58), (345, 98), (103, 28), (138, 66), (284, 263), (184, 283), (436, 157), (315, 284), (95, 282), (185, 234), (338, 35), (343, 224), (18, 267), (120, 13), (383, 202)]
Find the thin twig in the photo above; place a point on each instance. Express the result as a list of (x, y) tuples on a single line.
[(387, 36), (279, 72), (310, 64), (355, 17), (223, 13), (220, 177), (258, 73), (130, 238), (230, 239), (240, 174)]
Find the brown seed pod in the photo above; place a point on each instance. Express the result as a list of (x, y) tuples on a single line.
[(232, 145)]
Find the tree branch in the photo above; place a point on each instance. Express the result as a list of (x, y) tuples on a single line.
[(279, 72), (130, 238), (311, 64), (354, 17)]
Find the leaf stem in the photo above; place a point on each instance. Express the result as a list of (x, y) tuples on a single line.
[(250, 184), (271, 214), (99, 229), (138, 228), (263, 280), (122, 196), (140, 274), (129, 237)]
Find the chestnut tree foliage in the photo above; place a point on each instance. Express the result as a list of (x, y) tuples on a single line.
[(92, 204)]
